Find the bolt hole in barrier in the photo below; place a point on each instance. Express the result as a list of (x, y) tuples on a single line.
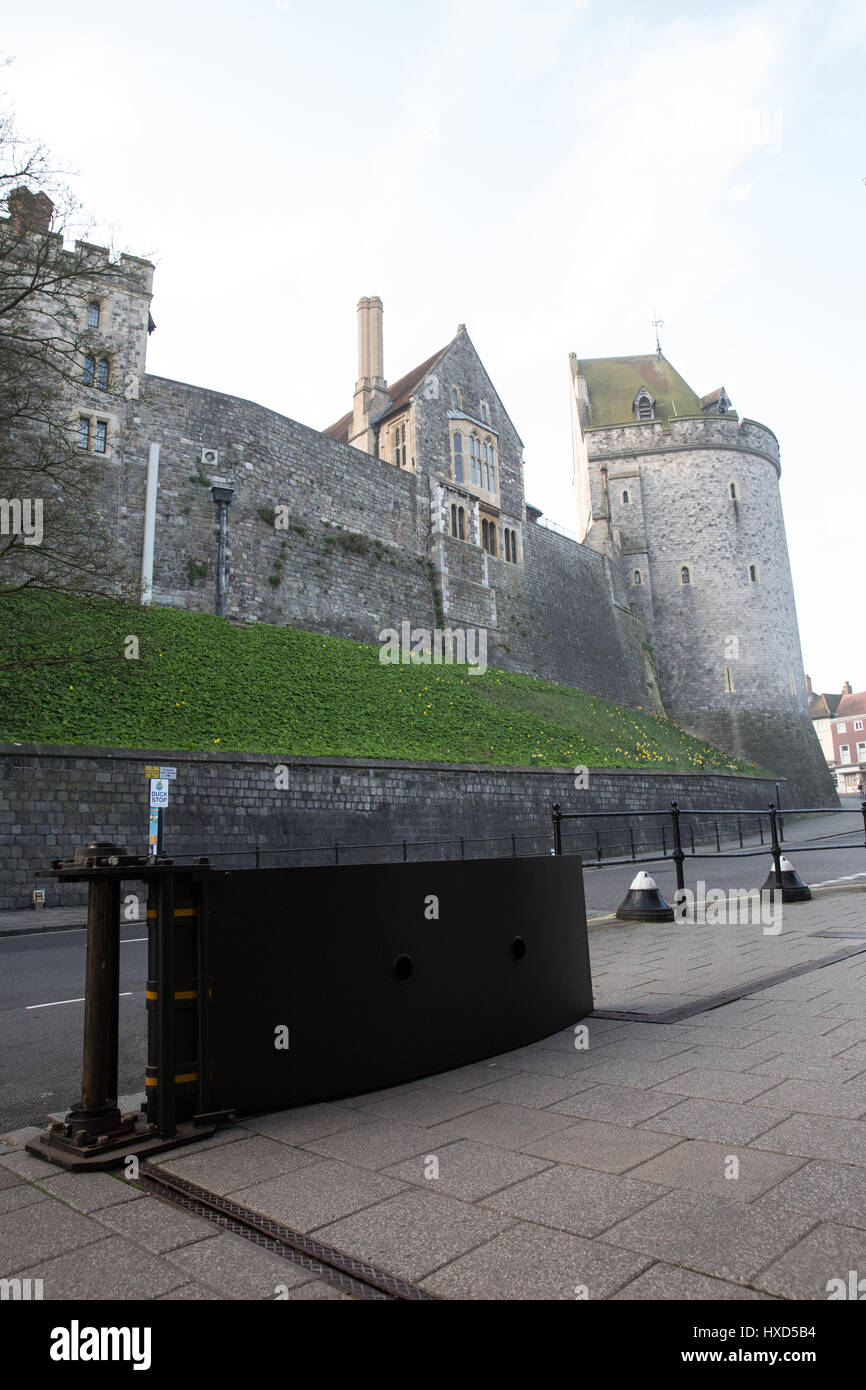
[(403, 967), (332, 981)]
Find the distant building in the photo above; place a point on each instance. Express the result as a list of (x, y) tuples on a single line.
[(840, 723)]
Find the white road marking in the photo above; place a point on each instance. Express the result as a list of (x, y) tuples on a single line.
[(846, 878), (127, 994), (125, 940)]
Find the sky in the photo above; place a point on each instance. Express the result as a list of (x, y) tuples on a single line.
[(554, 174)]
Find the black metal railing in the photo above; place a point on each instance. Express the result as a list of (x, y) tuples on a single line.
[(672, 836)]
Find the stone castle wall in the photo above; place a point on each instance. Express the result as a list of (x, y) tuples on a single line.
[(358, 553), (224, 805)]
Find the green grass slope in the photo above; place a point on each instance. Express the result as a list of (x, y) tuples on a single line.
[(200, 683)]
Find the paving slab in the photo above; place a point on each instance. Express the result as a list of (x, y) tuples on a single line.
[(622, 1105), (315, 1195), (317, 1289), (29, 1167), (235, 1268), (604, 1147), (527, 1089), (88, 1191), (228, 1166), (828, 1253), (505, 1126), (715, 1119), (672, 1284), (575, 1199), (191, 1293), (728, 1240), (468, 1171), (477, 1074), (20, 1195), (374, 1144), (848, 1100), (414, 1233), (110, 1268), (711, 1084), (40, 1231), (529, 1262), (702, 1167), (812, 1137), (307, 1122), (833, 1192), (427, 1105), (155, 1225)]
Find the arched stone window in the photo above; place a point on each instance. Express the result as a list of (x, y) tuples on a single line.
[(93, 314), (753, 573), (458, 458), (643, 405), (685, 575), (637, 577), (625, 497), (102, 374), (89, 370)]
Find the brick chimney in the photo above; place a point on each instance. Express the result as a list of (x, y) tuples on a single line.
[(371, 395), (846, 688), (29, 212), (809, 691)]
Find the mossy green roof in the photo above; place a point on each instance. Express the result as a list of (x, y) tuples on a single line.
[(613, 382)]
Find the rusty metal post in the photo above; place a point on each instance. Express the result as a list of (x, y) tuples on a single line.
[(98, 1112), (557, 828)]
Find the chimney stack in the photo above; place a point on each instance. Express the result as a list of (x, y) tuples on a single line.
[(371, 395), (29, 212), (809, 690), (846, 688)]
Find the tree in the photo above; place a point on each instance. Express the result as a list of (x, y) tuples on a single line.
[(53, 536)]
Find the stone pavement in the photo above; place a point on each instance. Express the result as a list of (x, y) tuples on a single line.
[(718, 1156)]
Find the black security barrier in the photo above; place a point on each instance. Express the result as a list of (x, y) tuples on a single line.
[(332, 981), (269, 988)]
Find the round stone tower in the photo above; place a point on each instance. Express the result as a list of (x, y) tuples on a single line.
[(683, 496)]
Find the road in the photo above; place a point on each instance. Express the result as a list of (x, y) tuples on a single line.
[(42, 976), (41, 1020)]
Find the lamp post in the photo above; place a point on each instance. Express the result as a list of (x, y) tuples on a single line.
[(222, 494)]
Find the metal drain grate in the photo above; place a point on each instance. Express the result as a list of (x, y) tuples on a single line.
[(353, 1276)]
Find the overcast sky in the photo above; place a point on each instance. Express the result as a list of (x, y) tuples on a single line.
[(548, 173)]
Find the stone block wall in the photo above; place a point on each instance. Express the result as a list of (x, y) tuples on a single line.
[(54, 799)]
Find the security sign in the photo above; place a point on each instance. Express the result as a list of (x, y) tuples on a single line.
[(158, 793)]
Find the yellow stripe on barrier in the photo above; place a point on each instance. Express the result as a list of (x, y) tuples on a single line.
[(184, 912), (178, 1080), (151, 994)]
